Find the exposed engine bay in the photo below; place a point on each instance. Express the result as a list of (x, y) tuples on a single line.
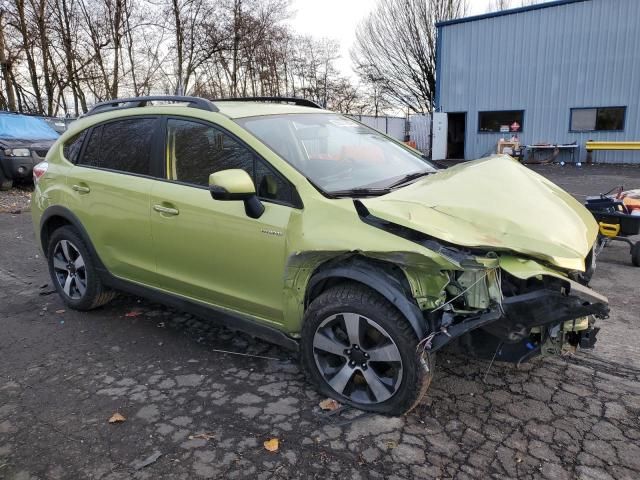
[(504, 306), (494, 314)]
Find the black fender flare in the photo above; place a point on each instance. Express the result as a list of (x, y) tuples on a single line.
[(377, 278), (73, 220)]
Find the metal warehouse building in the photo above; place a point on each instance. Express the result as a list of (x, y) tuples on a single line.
[(553, 73)]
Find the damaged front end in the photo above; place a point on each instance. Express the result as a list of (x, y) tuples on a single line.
[(514, 311), (517, 286)]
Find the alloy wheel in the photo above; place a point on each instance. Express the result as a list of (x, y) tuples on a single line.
[(357, 358), (70, 270)]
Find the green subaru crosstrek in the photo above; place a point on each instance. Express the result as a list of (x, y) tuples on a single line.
[(315, 232)]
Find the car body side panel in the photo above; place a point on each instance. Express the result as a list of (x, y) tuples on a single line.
[(326, 232), (213, 252), (219, 256), (51, 190), (116, 215)]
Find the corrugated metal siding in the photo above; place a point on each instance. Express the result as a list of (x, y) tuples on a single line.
[(395, 127), (546, 62)]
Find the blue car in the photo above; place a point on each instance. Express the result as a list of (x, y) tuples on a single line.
[(24, 142)]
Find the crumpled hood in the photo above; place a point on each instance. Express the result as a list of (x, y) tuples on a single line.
[(498, 204)]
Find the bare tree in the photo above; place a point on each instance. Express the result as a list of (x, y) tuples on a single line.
[(62, 55), (65, 26), (497, 5), (396, 43), (375, 97), (6, 65)]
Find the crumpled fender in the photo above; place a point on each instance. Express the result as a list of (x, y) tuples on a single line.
[(376, 278), (526, 268)]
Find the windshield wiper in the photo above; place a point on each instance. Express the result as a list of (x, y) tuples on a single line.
[(408, 178), (360, 192)]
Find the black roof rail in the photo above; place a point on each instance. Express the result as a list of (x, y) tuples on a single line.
[(134, 102), (302, 102)]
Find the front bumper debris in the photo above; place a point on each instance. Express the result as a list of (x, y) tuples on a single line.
[(544, 309)]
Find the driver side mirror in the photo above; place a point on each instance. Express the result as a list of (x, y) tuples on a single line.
[(236, 184)]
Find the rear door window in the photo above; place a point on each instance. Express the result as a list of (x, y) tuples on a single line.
[(124, 146)]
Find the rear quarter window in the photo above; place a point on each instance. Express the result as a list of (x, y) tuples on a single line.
[(71, 148)]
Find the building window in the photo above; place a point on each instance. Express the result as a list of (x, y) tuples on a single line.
[(601, 118), (502, 121)]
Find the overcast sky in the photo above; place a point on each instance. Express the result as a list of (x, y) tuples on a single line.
[(338, 19)]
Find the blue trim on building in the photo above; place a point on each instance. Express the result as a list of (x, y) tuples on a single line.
[(438, 64), (511, 11)]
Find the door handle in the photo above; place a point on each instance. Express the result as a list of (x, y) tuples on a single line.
[(81, 188), (166, 210)]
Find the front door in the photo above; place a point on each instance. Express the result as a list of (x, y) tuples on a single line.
[(210, 250)]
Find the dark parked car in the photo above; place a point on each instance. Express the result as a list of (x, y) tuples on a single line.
[(24, 142)]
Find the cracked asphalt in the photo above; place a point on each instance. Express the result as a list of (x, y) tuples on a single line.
[(193, 411)]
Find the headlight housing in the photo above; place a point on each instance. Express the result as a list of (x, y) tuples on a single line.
[(17, 152)]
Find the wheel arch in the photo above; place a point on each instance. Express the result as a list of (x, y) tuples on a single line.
[(55, 217), (376, 275)]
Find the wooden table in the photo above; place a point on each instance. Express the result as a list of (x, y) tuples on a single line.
[(571, 148)]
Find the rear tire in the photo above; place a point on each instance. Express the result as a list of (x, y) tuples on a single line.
[(359, 349), (635, 254), (73, 271)]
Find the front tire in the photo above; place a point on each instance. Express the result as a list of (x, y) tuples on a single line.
[(360, 350), (73, 271)]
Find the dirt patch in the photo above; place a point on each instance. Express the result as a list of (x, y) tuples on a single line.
[(16, 200)]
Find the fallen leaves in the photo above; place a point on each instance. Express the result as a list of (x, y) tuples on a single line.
[(117, 418), (329, 404), (134, 313), (202, 436), (15, 200), (272, 445), (139, 465), (62, 310)]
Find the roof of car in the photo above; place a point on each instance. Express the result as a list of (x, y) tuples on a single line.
[(255, 109), (231, 107)]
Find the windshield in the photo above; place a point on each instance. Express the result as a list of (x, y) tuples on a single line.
[(336, 153), (24, 127)]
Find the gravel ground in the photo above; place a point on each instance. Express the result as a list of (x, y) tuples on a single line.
[(193, 411), (15, 200)]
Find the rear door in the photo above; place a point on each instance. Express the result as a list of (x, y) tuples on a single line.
[(110, 186)]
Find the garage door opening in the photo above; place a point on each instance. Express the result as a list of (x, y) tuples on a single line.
[(457, 127)]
